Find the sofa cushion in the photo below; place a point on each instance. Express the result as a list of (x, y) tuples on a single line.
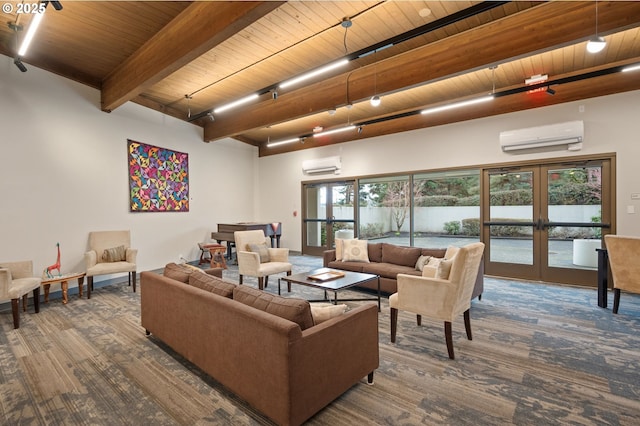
[(261, 249), (388, 270), (114, 254), (177, 272), (212, 284), (405, 256), (355, 251), (296, 310), (339, 244), (375, 252), (322, 312), (347, 266)]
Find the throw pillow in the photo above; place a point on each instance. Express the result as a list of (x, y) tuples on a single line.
[(262, 251), (422, 260), (114, 254), (292, 309), (355, 251), (177, 272), (212, 284), (322, 312), (340, 247), (444, 268), (192, 267)]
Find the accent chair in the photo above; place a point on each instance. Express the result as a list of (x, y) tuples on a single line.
[(110, 252), (16, 281), (257, 259), (625, 268), (444, 296)]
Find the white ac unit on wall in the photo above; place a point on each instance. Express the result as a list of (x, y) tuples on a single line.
[(319, 166), (570, 134)]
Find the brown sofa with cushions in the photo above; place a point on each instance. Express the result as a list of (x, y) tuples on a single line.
[(287, 370), (389, 260)]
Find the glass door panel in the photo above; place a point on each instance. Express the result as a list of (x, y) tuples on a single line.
[(328, 212), (510, 222)]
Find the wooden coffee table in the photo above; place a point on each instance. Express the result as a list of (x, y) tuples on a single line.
[(64, 284), (333, 280)]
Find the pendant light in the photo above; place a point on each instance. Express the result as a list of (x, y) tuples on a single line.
[(597, 43)]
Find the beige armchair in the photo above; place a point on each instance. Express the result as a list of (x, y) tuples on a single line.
[(16, 281), (444, 296), (110, 252), (625, 268), (260, 260)]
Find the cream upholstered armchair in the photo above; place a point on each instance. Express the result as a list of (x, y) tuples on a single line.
[(16, 281), (444, 296), (110, 252), (625, 268), (257, 259)]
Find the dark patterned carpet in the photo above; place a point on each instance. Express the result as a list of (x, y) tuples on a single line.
[(541, 355)]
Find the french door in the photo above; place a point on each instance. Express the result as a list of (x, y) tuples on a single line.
[(544, 222), (328, 211)]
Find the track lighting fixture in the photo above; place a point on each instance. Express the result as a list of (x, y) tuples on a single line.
[(234, 104), (597, 43), (274, 94), (631, 68), (211, 117), (375, 100), (283, 142), (457, 104), (333, 131), (550, 91), (56, 5), (20, 65), (314, 73)]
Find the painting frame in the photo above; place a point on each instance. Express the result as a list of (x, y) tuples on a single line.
[(158, 178)]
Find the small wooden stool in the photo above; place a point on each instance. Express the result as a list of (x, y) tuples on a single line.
[(217, 252), (205, 254)]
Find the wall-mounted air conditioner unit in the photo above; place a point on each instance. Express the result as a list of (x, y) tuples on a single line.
[(322, 166), (569, 134)]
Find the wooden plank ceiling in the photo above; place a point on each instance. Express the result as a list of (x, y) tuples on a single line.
[(186, 59)]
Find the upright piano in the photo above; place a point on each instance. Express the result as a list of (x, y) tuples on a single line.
[(225, 232)]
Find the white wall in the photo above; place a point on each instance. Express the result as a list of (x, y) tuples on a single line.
[(611, 125), (64, 173)]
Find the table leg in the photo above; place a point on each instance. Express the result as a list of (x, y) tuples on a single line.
[(46, 292), (65, 290)]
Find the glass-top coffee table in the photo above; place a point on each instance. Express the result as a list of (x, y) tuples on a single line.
[(332, 280)]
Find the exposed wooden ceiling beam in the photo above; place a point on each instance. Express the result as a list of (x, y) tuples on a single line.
[(569, 92), (540, 28), (196, 30)]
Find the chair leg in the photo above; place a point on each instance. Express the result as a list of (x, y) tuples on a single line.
[(24, 302), (266, 281), (394, 324), (36, 299), (616, 300), (133, 278), (467, 324), (449, 338), (289, 283), (480, 296), (419, 320), (15, 309), (261, 283)]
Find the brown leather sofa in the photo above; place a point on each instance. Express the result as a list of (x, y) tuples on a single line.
[(283, 371), (388, 260)]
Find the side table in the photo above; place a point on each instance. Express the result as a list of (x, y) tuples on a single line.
[(217, 256), (64, 283)]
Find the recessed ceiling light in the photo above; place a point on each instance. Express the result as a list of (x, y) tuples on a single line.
[(424, 12)]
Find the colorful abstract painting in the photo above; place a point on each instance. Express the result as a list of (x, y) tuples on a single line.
[(158, 179)]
